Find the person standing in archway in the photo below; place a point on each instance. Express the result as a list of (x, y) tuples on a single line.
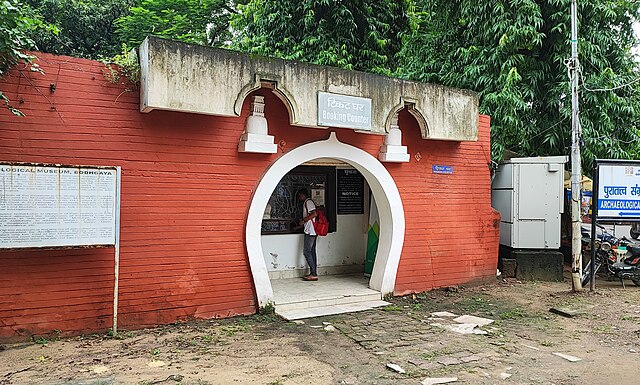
[(309, 247)]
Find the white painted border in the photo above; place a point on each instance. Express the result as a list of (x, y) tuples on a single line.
[(382, 185), (116, 264)]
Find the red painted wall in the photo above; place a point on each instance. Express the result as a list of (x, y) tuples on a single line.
[(185, 194)]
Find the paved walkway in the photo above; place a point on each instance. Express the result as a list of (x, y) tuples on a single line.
[(519, 347)]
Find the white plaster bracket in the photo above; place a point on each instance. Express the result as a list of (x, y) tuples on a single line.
[(392, 150), (255, 137)]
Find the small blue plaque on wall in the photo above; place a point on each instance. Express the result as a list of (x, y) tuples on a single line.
[(438, 169)]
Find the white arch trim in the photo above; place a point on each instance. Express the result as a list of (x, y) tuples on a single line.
[(383, 187)]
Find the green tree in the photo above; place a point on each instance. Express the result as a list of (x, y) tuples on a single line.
[(85, 26), (16, 26), (193, 21), (513, 53), (355, 34)]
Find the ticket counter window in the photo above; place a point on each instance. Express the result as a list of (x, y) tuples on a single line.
[(284, 211)]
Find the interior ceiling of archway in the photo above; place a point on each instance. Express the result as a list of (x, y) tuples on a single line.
[(326, 162)]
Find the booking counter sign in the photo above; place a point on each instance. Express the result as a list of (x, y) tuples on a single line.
[(618, 190)]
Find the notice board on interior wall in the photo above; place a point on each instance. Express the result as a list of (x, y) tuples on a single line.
[(57, 206), (350, 191)]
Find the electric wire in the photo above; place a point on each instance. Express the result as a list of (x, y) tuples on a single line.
[(584, 85), (581, 78), (549, 128)]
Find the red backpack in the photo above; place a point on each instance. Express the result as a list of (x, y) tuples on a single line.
[(321, 225)]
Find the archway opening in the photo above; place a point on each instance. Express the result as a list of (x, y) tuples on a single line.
[(343, 195), (383, 188)]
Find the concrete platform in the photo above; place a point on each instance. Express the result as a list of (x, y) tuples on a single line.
[(331, 294), (539, 265)]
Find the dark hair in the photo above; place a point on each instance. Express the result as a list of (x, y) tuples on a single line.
[(303, 191)]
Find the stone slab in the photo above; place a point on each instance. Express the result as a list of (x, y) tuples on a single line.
[(443, 314), (438, 380), (567, 357), (447, 361), (471, 319), (312, 312), (565, 312)]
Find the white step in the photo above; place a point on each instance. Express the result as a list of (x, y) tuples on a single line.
[(327, 300), (319, 311)]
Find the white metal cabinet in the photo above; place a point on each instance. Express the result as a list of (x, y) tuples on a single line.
[(528, 194)]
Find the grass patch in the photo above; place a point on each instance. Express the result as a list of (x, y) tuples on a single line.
[(429, 356), (576, 300), (41, 340), (207, 338), (473, 304), (604, 329), (266, 317), (516, 313), (231, 330)]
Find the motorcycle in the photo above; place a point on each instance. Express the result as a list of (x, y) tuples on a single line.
[(608, 248), (634, 231)]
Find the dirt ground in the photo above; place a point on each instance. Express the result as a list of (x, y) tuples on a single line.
[(356, 348)]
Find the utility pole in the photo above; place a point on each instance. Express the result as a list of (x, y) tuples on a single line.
[(576, 172)]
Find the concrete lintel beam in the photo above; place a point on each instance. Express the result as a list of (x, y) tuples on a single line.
[(189, 78)]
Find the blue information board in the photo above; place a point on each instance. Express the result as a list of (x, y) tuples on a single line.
[(438, 169), (618, 191)]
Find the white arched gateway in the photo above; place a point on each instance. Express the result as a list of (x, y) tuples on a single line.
[(384, 190)]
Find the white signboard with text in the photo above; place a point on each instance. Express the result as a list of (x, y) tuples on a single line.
[(619, 191), (335, 110), (57, 206)]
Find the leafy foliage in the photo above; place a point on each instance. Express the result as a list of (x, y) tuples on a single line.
[(192, 21), (126, 70), (513, 52), (356, 34), (16, 25), (85, 26)]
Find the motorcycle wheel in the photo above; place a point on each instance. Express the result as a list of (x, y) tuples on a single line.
[(636, 281)]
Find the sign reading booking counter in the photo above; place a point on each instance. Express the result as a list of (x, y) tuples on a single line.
[(57, 206), (335, 110)]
